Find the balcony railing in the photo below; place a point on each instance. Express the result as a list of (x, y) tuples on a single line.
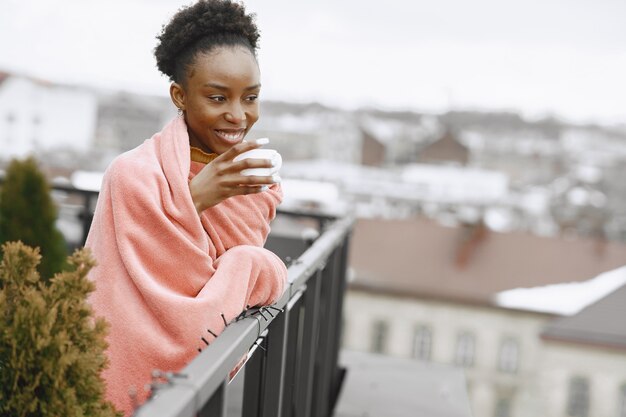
[(291, 348), (292, 368)]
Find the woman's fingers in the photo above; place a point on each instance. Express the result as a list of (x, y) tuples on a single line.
[(250, 180), (244, 190), (239, 148), (222, 178), (247, 189), (248, 163), (248, 184)]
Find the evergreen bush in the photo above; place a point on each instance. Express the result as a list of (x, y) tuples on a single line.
[(51, 348), (28, 214)]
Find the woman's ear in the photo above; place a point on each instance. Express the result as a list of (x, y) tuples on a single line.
[(177, 93)]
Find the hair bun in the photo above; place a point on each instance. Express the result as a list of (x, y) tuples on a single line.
[(222, 20)]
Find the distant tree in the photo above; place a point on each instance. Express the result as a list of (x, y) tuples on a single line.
[(27, 213), (51, 348)]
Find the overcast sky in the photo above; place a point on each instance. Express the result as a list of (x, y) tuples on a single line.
[(561, 57)]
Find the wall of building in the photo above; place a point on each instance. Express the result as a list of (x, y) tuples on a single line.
[(539, 385), (39, 116), (603, 368)]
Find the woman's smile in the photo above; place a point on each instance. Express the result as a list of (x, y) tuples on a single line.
[(233, 136)]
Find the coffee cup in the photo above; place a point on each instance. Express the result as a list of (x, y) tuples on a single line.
[(269, 154)]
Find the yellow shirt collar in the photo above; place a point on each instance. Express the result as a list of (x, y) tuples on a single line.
[(198, 155)]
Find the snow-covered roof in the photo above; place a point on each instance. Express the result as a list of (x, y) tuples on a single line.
[(565, 298), (468, 263)]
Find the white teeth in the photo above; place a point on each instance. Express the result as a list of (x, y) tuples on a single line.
[(229, 136)]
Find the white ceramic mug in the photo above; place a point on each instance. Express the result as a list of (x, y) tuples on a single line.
[(271, 154)]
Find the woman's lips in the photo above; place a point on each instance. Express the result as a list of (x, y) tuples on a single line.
[(231, 136)]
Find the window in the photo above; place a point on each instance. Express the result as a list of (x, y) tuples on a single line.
[(509, 355), (422, 343), (578, 399), (465, 349), (503, 407), (379, 336), (622, 401)]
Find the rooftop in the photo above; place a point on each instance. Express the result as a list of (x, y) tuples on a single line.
[(599, 324), (566, 298), (421, 257)]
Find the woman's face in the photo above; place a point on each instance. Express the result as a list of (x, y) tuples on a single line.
[(220, 98)]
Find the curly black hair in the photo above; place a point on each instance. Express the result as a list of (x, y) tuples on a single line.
[(199, 29)]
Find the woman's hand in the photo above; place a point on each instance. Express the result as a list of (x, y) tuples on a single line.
[(222, 178)]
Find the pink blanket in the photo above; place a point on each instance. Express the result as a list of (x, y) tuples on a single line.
[(165, 274)]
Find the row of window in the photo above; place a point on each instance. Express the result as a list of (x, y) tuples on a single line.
[(464, 352), (578, 397)]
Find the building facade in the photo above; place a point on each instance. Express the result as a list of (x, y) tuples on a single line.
[(37, 115), (511, 370), (430, 292)]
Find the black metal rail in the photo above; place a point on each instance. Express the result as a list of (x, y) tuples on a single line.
[(292, 368)]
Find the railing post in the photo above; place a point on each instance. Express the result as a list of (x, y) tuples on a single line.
[(341, 282), (308, 351), (216, 407), (324, 369), (273, 378), (253, 375), (294, 345)]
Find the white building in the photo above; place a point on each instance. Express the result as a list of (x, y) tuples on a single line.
[(37, 115), (428, 292)]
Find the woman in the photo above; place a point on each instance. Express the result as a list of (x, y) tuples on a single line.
[(178, 231)]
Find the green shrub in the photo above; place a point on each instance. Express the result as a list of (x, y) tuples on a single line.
[(51, 348), (28, 214)]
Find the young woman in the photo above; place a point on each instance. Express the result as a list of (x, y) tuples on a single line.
[(178, 231)]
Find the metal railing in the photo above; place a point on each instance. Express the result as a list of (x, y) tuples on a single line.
[(292, 355), (292, 368)]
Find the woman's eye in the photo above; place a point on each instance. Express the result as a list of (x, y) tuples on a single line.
[(252, 97), (217, 98)]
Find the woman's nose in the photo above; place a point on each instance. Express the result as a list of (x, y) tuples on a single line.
[(235, 114)]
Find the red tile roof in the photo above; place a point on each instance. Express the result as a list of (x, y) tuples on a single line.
[(423, 258)]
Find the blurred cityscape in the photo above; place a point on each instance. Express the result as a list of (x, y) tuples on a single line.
[(483, 240)]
